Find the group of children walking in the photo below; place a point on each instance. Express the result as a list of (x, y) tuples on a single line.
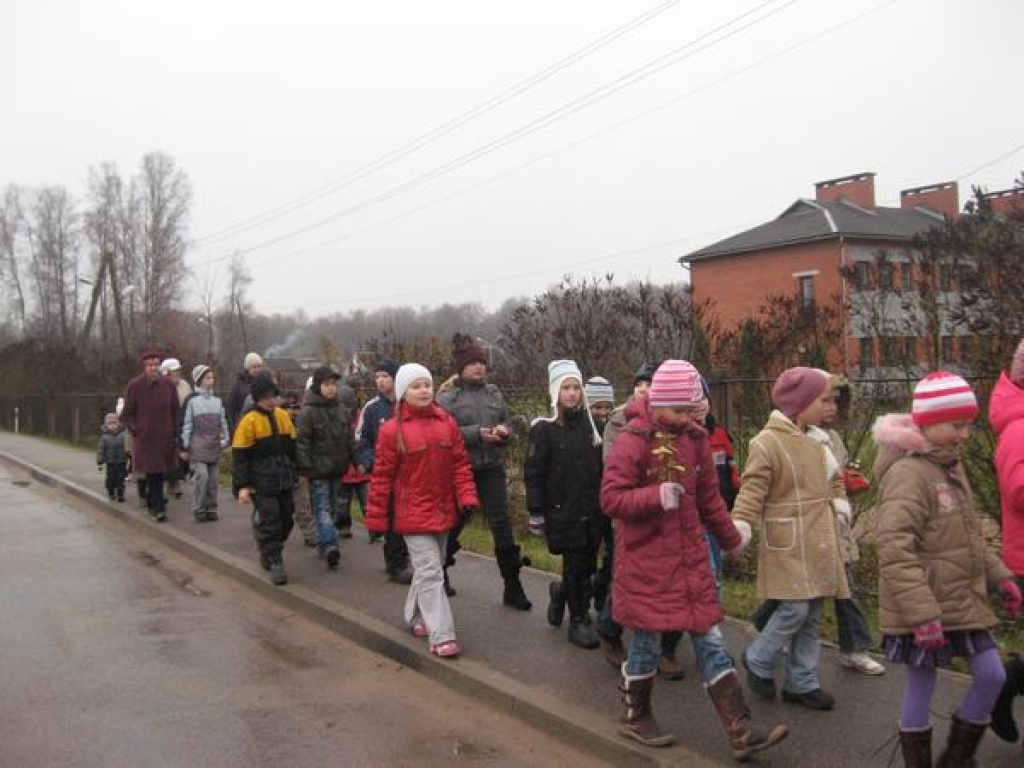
[(655, 481)]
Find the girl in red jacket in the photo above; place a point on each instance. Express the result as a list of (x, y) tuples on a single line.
[(661, 488), (421, 464)]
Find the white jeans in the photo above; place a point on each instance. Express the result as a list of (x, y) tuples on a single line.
[(426, 596)]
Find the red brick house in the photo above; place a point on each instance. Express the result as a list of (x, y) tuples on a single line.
[(808, 248)]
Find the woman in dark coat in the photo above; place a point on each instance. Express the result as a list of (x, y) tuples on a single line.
[(151, 415), (563, 485)]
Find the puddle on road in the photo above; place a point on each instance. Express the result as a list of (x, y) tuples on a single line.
[(21, 483)]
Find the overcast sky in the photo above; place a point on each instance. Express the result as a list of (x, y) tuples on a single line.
[(265, 103)]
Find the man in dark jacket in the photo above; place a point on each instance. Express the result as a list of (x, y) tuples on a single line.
[(376, 412), (480, 411), (324, 453), (251, 368), (151, 414)]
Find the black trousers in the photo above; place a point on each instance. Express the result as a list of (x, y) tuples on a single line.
[(155, 492), (492, 488), (116, 474), (272, 522)]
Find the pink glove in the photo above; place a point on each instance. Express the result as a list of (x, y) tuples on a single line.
[(929, 636), (1012, 599), (670, 494)]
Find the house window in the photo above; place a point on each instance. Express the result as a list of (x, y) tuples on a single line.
[(945, 277), (867, 352), (910, 349), (863, 272), (807, 291), (885, 276), (946, 349), (892, 350), (906, 276)]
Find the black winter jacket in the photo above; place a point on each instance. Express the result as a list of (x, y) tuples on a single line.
[(263, 450), (563, 481), (324, 448), (235, 404)]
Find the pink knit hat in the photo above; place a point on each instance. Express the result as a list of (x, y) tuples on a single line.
[(797, 388), (1017, 366), (676, 382), (942, 397)]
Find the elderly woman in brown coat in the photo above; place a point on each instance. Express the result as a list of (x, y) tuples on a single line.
[(793, 488), (151, 415), (935, 570)]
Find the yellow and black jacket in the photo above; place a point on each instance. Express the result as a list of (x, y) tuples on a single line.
[(263, 452)]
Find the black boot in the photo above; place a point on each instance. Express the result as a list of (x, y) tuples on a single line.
[(140, 486), (581, 630), (1003, 724), (509, 564), (556, 608), (961, 744), (917, 748)]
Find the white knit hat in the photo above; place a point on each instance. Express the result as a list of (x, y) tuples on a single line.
[(198, 372), (406, 375), (558, 372), (252, 359), (170, 364)]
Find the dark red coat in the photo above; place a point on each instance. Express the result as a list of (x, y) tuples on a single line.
[(431, 481), (150, 413), (662, 579), (1006, 414)]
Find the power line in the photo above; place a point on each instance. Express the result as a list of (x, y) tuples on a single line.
[(590, 137), (641, 73), (990, 163), (439, 131)]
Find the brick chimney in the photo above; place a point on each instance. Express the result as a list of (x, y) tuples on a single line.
[(858, 189), (1006, 200), (943, 198)]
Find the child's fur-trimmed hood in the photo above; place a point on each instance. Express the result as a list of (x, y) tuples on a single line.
[(896, 435)]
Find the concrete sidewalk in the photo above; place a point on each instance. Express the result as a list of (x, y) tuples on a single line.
[(515, 661)]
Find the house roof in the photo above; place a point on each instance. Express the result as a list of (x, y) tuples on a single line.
[(807, 221)]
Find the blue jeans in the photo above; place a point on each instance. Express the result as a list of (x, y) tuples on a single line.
[(716, 562), (323, 494), (709, 649), (796, 623)]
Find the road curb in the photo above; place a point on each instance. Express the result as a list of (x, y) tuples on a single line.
[(561, 720)]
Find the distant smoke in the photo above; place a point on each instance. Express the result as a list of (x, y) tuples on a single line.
[(285, 347)]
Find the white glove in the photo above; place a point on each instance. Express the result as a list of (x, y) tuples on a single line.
[(746, 534), (671, 494), (843, 511)]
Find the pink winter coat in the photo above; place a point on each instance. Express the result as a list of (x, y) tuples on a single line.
[(662, 579), (1006, 414)]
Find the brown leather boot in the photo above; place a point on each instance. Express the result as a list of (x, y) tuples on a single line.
[(613, 650), (734, 713), (639, 722), (917, 748), (962, 743)]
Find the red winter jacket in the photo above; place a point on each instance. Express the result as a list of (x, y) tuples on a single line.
[(1006, 413), (431, 481), (662, 576)]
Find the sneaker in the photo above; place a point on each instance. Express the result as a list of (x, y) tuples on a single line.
[(112, 497), (449, 649), (376, 538), (278, 577), (345, 533), (333, 556), (211, 514), (161, 516), (419, 627), (200, 516), (861, 662), (403, 576), (762, 687), (816, 699), (264, 562)]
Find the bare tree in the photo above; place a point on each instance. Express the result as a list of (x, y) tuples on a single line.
[(237, 307), (13, 242), (54, 237), (163, 199)]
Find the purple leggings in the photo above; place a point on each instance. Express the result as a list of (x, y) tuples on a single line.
[(987, 677)]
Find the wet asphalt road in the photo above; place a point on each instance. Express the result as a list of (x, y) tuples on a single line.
[(117, 652)]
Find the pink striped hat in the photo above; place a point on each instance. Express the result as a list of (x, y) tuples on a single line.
[(676, 382), (942, 397)]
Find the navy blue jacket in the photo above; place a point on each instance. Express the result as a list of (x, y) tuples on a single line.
[(375, 412)]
